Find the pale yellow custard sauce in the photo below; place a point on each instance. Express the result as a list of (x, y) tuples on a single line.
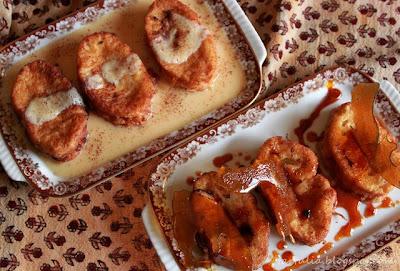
[(172, 108)]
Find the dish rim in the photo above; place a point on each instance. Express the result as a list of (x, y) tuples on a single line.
[(252, 47), (380, 241)]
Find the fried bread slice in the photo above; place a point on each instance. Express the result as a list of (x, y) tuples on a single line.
[(217, 234), (302, 201), (182, 45), (114, 79), (345, 159), (247, 218), (51, 110)]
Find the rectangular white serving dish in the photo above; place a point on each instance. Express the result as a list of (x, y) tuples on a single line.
[(57, 43), (244, 133)]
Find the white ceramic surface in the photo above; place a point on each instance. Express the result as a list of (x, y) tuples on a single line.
[(43, 178), (248, 30), (245, 133), (8, 163)]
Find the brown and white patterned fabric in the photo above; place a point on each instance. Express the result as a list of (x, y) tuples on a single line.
[(5, 19), (101, 229), (304, 36), (98, 230), (19, 17)]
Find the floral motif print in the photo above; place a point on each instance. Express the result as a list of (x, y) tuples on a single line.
[(361, 33), (303, 37), (253, 116), (97, 230), (31, 169)]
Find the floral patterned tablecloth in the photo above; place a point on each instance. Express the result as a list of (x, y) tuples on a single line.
[(101, 229)]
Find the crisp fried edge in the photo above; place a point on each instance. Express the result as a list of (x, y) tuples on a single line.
[(20, 109), (328, 150), (328, 198), (147, 89), (199, 78)]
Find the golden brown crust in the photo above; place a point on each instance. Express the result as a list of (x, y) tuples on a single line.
[(197, 72), (303, 201), (62, 137), (128, 103), (346, 161), (244, 213), (217, 234)]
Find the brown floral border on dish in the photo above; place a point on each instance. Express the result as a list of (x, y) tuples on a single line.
[(249, 118), (23, 46), (367, 246)]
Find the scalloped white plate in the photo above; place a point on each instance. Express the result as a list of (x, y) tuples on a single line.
[(110, 150), (245, 132)]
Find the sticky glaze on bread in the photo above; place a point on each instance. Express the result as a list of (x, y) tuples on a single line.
[(303, 201), (345, 159)]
